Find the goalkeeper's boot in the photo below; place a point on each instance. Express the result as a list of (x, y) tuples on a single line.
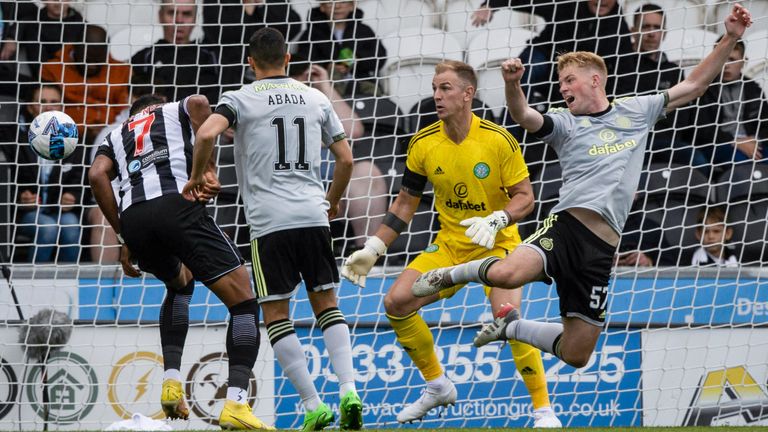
[(351, 410), (172, 400), (432, 282), (545, 418), (318, 419), (497, 330), (429, 399), (239, 416)]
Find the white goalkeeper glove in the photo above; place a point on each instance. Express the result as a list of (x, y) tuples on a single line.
[(482, 230), (357, 265)]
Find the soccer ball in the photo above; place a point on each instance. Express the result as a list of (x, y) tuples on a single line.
[(53, 135)]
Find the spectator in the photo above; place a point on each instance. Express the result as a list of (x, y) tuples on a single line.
[(732, 121), (714, 235), (229, 24), (337, 39), (43, 33), (95, 84), (646, 70), (367, 196), (585, 25), (49, 192), (176, 66)]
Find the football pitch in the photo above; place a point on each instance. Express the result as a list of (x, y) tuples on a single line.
[(586, 429)]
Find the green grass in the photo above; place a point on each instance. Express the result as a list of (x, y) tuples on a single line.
[(600, 429)]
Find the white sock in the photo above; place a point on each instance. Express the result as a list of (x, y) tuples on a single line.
[(539, 334), (173, 374), (291, 357), (467, 272), (339, 348), (237, 394)]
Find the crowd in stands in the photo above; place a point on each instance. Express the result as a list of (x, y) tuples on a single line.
[(52, 58)]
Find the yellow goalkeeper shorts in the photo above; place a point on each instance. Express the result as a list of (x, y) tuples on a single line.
[(438, 255)]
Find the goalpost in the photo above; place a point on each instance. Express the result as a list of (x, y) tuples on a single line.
[(683, 345)]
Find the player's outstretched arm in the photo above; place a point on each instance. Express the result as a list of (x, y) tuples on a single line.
[(527, 117), (701, 77), (399, 215)]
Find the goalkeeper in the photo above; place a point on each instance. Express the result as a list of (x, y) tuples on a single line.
[(481, 190)]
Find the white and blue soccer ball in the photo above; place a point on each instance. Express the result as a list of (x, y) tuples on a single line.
[(53, 135)]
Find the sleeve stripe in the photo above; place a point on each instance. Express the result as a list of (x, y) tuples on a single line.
[(498, 129)]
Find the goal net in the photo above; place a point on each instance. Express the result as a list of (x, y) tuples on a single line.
[(684, 343)]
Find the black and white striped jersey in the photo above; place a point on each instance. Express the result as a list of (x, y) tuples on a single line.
[(152, 153)]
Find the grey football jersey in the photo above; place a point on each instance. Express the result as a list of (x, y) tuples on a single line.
[(280, 127), (602, 156)]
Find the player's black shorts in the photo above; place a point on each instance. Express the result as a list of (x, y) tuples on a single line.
[(164, 232), (281, 259), (579, 261)]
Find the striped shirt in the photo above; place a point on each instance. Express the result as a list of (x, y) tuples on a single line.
[(151, 152)]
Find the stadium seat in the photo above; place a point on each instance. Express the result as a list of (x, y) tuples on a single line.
[(674, 195), (687, 47), (385, 127), (756, 44), (412, 56), (458, 22), (115, 16), (423, 113), (387, 16), (486, 52), (744, 188), (128, 41)]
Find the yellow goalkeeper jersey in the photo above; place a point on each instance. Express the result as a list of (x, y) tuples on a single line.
[(469, 178)]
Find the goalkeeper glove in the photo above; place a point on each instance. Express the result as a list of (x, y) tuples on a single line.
[(357, 265), (482, 230)]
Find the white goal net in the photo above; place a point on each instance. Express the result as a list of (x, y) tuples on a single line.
[(684, 344)]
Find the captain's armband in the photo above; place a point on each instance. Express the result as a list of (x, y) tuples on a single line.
[(413, 184)]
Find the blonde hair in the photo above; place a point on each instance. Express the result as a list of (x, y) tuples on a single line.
[(582, 59), (464, 71)]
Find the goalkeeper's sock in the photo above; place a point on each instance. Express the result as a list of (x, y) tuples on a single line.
[(292, 359), (416, 339), (336, 336), (174, 323), (242, 342), (473, 271), (543, 336), (528, 362)]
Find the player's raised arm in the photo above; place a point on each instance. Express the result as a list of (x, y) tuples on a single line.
[(517, 104), (699, 79)]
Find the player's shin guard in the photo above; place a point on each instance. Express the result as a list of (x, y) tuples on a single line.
[(531, 367), (242, 342), (174, 323), (336, 336), (416, 339)]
